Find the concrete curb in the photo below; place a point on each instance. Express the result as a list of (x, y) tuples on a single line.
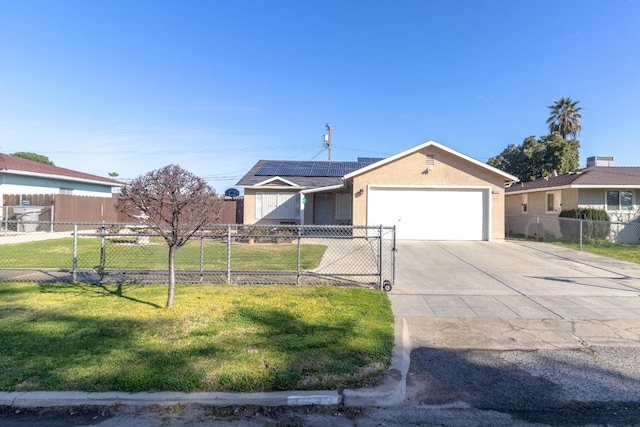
[(391, 392), (45, 399)]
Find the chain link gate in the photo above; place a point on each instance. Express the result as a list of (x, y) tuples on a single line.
[(241, 254)]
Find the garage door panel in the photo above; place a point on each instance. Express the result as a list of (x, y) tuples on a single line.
[(430, 214)]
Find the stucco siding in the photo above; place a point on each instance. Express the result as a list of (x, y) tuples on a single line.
[(249, 214), (592, 197), (570, 198), (53, 185), (513, 205), (448, 171)]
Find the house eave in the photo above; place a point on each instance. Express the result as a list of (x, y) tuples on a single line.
[(574, 186), (322, 189), (270, 187), (61, 177), (507, 177), (613, 186)]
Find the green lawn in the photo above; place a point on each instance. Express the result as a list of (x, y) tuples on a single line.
[(622, 252), (58, 253), (216, 338)]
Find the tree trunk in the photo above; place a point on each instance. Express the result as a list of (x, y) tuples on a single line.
[(172, 275)]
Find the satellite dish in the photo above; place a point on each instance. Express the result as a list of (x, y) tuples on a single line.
[(232, 192)]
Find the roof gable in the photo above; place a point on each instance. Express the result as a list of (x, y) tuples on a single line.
[(277, 181), (507, 177), (20, 166)]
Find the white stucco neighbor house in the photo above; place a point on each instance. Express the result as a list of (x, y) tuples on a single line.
[(429, 192), (26, 182), (600, 185)]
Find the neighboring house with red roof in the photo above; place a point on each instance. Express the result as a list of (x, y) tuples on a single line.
[(26, 182), (600, 185)]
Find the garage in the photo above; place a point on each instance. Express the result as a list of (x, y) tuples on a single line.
[(431, 213)]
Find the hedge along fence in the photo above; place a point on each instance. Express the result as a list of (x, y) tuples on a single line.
[(584, 224)]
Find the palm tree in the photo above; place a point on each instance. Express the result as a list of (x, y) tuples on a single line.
[(565, 117)]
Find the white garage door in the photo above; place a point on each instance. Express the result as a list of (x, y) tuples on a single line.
[(430, 213)]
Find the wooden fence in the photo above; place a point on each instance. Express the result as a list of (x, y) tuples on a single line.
[(68, 208)]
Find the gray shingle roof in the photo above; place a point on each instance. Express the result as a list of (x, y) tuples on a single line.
[(591, 176)]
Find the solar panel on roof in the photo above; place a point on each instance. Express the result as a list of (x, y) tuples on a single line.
[(369, 160), (312, 168)]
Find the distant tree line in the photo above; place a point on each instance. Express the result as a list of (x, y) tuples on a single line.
[(33, 156)]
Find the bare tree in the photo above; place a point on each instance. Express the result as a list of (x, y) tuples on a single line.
[(174, 203)]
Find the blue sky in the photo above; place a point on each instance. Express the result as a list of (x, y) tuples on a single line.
[(214, 86)]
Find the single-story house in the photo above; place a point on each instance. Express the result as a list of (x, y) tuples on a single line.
[(600, 185), (429, 192), (75, 196)]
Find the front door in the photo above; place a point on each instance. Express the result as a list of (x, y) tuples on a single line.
[(322, 209)]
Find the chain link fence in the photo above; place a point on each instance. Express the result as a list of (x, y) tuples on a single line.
[(569, 230), (241, 254)]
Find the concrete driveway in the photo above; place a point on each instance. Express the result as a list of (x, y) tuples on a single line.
[(543, 334), (511, 280), (514, 294)]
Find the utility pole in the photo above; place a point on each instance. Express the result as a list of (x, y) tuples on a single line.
[(327, 138)]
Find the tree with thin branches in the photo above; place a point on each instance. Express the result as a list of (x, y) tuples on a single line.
[(565, 117), (175, 204)]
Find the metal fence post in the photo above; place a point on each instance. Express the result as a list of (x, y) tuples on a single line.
[(229, 253), (75, 253), (581, 234), (201, 255), (381, 250), (6, 219), (102, 248), (393, 256), (537, 228), (299, 255)]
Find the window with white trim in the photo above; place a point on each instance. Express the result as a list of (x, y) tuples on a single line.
[(525, 203), (277, 205), (554, 201), (343, 206), (618, 200)]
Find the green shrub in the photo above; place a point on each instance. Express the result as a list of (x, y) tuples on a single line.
[(596, 224)]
